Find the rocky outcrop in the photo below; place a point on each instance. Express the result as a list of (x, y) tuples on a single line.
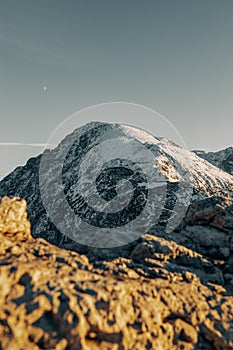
[(207, 228), (157, 295)]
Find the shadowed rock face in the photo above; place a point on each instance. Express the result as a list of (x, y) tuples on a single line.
[(222, 159), (160, 295)]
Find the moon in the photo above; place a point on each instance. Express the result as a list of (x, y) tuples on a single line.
[(44, 88)]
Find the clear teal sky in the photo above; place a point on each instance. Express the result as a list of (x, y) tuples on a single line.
[(175, 56)]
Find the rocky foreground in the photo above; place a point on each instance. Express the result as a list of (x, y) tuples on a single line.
[(155, 294)]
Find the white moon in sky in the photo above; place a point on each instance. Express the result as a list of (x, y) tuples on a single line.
[(45, 88)]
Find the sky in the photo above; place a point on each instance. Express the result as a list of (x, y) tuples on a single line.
[(57, 57)]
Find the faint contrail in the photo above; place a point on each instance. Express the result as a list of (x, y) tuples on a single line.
[(24, 144)]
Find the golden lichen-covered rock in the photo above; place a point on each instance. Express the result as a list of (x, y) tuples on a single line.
[(159, 298), (13, 217)]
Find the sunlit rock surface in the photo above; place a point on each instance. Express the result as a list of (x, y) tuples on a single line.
[(156, 295)]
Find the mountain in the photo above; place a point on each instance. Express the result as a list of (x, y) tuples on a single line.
[(178, 177), (156, 270)]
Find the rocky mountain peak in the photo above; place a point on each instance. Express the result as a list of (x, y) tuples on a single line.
[(164, 289), (93, 160)]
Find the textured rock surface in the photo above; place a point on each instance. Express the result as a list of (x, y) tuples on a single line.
[(222, 159), (158, 295)]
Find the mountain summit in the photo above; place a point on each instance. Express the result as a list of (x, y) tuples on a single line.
[(93, 160)]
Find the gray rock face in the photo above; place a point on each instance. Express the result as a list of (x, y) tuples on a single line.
[(176, 178), (222, 159)]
